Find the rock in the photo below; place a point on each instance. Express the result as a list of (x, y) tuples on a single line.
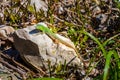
[(5, 31), (39, 5), (5, 36), (38, 49)]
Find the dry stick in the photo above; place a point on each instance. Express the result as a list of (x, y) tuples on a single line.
[(21, 66), (40, 69), (63, 20), (14, 68), (70, 61), (7, 57), (69, 11)]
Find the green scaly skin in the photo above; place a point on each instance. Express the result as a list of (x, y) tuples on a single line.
[(52, 35)]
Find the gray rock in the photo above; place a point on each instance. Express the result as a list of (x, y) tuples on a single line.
[(39, 4), (5, 31), (38, 49), (6, 36)]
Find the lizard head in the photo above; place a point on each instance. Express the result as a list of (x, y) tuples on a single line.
[(42, 26)]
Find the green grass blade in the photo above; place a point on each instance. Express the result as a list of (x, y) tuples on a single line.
[(116, 56), (97, 41), (107, 64), (105, 43)]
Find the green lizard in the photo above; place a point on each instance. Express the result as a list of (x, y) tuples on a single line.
[(52, 35)]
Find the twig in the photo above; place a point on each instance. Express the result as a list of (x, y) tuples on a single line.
[(15, 62), (22, 66), (71, 60), (23, 74), (64, 20)]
